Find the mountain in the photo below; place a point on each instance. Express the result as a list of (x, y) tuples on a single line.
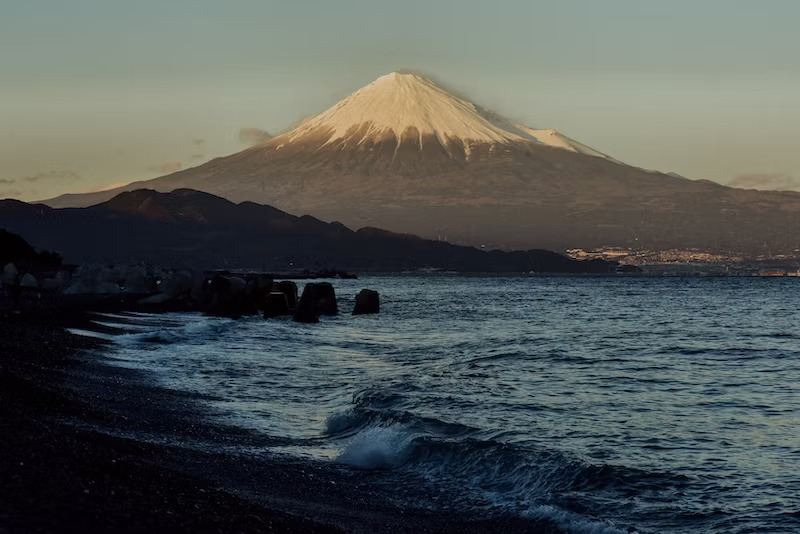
[(187, 228), (404, 154)]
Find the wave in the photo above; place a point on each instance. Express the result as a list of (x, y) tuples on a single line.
[(485, 475), (158, 329), (383, 408), (377, 448), (574, 523)]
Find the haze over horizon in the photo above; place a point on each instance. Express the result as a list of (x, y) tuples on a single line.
[(96, 94)]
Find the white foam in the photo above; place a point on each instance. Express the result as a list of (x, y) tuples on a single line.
[(390, 447), (127, 327), (89, 333), (377, 448), (574, 523)]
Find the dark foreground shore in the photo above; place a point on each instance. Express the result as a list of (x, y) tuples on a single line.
[(88, 447), (58, 477)]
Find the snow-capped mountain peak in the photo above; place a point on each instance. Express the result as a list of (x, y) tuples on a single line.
[(411, 106)]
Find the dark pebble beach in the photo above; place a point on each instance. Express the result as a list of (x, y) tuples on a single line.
[(59, 477)]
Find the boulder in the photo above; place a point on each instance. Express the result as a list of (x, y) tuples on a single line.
[(139, 282), (199, 281), (178, 283), (306, 311), (82, 287), (226, 296), (263, 283), (10, 273), (367, 301), (256, 292), (326, 299), (176, 286), (317, 299), (276, 305), (288, 288), (105, 280), (29, 281)]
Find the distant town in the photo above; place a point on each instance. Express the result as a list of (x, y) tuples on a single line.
[(695, 261)]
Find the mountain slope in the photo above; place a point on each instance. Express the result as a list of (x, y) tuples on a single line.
[(193, 229), (406, 155)]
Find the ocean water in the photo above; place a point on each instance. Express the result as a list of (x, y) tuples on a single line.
[(603, 404)]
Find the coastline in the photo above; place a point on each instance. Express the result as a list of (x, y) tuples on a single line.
[(89, 446), (58, 477)]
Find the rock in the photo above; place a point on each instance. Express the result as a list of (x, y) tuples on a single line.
[(256, 292), (306, 311), (226, 296), (29, 281), (10, 273), (288, 288), (137, 282), (199, 282), (177, 285), (276, 305), (103, 280), (263, 283), (317, 299), (326, 299), (367, 301), (82, 287)]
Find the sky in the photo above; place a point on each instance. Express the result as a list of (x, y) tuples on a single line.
[(97, 93)]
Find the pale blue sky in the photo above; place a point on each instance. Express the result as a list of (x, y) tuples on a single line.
[(97, 92)]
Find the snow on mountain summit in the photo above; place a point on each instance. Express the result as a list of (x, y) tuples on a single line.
[(398, 102), (401, 104)]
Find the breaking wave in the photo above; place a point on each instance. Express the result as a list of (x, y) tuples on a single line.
[(481, 475)]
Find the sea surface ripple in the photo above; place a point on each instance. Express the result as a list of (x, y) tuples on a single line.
[(603, 404)]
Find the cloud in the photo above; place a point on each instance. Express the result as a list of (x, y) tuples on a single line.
[(171, 166), (253, 136), (168, 167), (774, 181), (66, 176), (4, 181), (109, 187)]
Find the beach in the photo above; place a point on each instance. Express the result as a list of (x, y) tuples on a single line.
[(89, 447), (59, 477)]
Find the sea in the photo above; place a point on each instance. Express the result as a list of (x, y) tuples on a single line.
[(601, 404)]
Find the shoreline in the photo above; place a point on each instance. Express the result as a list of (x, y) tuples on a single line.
[(59, 477), (87, 445)]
